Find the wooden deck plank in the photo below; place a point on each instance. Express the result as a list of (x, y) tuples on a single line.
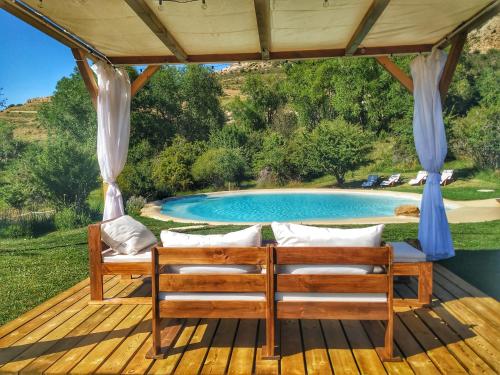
[(29, 343), (47, 305), (366, 357), (168, 365), (340, 353), (44, 322), (117, 361), (317, 361), (264, 366), (139, 364), (55, 352), (242, 356), (73, 356), (375, 331), (193, 357), (489, 353), (103, 349), (479, 305), (219, 353), (292, 352)]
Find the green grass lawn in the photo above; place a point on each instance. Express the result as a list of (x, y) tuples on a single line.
[(33, 270)]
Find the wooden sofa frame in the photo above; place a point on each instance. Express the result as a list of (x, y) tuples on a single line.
[(322, 283), (98, 269), (215, 283)]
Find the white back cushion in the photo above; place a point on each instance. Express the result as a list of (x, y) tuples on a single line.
[(250, 237), (126, 235), (295, 235)]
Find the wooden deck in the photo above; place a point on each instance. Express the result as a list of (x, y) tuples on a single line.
[(459, 333)]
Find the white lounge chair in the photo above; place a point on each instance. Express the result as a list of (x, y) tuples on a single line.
[(446, 176), (420, 179), (371, 181), (391, 181)]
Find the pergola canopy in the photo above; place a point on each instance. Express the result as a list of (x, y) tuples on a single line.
[(143, 32)]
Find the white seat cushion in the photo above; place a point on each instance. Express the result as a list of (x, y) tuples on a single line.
[(331, 297), (405, 253), (296, 235), (249, 237), (170, 296), (111, 256), (127, 236)]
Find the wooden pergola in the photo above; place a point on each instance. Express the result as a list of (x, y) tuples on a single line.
[(155, 32)]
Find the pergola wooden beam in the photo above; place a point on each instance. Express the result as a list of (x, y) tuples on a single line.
[(274, 55), (396, 72), (144, 12), (86, 73), (372, 15), (263, 15), (457, 46), (143, 78)]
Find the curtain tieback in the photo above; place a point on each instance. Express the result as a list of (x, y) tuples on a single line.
[(433, 178), (113, 190)]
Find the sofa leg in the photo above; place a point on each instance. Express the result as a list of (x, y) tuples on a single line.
[(425, 284), (96, 287), (269, 348), (386, 353), (163, 339)]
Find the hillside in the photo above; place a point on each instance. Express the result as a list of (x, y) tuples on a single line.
[(24, 118)]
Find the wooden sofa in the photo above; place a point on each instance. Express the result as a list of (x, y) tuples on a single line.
[(209, 295), (102, 261), (335, 296)]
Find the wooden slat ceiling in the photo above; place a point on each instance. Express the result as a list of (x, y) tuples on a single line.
[(142, 32)]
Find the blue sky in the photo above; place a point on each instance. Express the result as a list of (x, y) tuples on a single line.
[(31, 62)]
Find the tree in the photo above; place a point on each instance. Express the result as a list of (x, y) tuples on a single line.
[(340, 147), (477, 136), (172, 167), (219, 166), (10, 148), (61, 172), (271, 163), (70, 112), (3, 101)]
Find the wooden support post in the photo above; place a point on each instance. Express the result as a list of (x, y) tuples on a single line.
[(396, 72), (86, 73), (144, 12), (372, 15), (262, 13), (457, 46), (143, 78)]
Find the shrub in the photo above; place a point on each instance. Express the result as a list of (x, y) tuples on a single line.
[(341, 147), (272, 161), (19, 224), (135, 204), (219, 166), (477, 136), (71, 217), (172, 168)]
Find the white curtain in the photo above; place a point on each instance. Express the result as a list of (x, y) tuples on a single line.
[(430, 141), (113, 132)]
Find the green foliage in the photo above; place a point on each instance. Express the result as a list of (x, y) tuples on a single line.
[(136, 177), (404, 151), (219, 166), (70, 112), (135, 204), (357, 90), (177, 101), (172, 167), (10, 148), (477, 136), (341, 147), (71, 217), (271, 163)]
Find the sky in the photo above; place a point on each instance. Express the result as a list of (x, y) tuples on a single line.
[(31, 62)]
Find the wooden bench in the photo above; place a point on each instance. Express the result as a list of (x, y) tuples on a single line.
[(209, 295), (103, 262), (409, 260), (335, 296)]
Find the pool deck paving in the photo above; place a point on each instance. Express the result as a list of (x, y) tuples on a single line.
[(459, 211)]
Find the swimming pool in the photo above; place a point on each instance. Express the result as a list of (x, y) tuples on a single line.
[(246, 207)]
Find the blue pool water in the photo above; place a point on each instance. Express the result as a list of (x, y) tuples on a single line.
[(282, 206)]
